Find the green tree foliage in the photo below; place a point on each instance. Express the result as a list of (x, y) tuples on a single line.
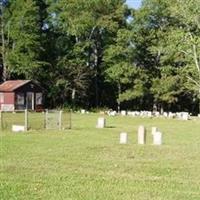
[(188, 17), (101, 53), (90, 31), (23, 54), (5, 38), (129, 79)]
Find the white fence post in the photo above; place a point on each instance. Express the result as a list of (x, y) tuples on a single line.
[(26, 120), (1, 118), (60, 120), (70, 119), (46, 118)]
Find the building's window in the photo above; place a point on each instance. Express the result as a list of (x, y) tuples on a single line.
[(20, 99), (38, 98), (1, 97)]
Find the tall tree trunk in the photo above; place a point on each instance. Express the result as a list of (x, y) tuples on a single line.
[(161, 109), (96, 76), (199, 100), (73, 96), (197, 64), (3, 46)]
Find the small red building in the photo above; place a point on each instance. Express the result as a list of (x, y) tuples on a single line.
[(20, 95)]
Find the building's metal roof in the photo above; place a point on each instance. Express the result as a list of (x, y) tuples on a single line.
[(10, 86)]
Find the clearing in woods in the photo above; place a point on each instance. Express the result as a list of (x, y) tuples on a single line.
[(86, 163)]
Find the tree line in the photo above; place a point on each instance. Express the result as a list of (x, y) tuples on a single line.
[(101, 53)]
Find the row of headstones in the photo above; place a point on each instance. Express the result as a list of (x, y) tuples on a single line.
[(141, 136), (157, 136), (179, 115)]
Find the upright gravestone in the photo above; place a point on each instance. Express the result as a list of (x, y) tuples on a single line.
[(112, 113), (149, 114), (157, 138), (141, 135), (123, 138), (165, 114), (171, 115), (83, 111), (185, 116), (123, 113), (101, 122)]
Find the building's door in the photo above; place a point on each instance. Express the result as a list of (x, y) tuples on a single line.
[(30, 100)]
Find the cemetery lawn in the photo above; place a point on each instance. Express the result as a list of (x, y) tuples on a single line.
[(86, 163)]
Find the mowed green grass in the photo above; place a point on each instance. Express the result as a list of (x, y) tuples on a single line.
[(86, 163)]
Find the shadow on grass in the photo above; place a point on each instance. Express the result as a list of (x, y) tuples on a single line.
[(110, 127)]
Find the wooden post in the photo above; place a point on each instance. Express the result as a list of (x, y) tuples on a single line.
[(26, 119), (70, 119), (60, 120), (46, 118), (1, 122), (43, 112)]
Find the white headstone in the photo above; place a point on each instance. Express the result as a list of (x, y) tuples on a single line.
[(18, 128), (123, 113), (123, 138), (171, 115), (83, 111), (129, 113), (7, 107), (179, 115), (157, 114), (112, 113), (149, 114), (141, 135), (157, 138), (165, 114), (185, 116), (101, 122)]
